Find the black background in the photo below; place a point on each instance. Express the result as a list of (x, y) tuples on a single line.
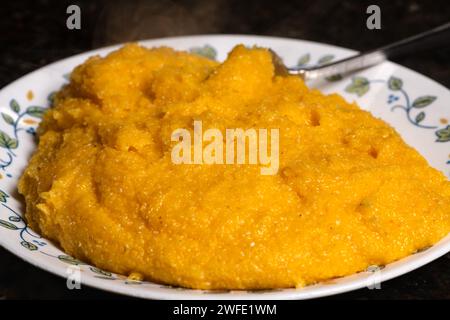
[(34, 33)]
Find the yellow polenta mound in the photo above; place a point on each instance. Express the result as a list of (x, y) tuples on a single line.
[(349, 192)]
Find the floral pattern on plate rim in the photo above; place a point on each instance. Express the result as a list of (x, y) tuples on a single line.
[(11, 141)]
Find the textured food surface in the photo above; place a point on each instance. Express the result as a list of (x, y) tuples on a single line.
[(349, 192)]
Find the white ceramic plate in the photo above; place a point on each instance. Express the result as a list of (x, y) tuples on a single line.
[(415, 105)]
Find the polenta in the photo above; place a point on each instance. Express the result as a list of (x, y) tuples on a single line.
[(349, 192)]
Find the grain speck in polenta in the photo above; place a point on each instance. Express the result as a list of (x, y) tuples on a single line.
[(349, 192)]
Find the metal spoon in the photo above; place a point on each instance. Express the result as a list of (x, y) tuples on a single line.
[(425, 40)]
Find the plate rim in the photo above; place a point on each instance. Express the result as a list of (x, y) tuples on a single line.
[(437, 250)]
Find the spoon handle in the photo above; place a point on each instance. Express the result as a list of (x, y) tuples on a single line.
[(426, 40)]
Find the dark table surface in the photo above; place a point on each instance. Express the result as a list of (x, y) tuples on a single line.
[(34, 33)]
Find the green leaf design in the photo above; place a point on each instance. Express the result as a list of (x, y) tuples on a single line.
[(420, 117), (325, 59), (443, 134), (29, 245), (334, 78), (360, 81), (8, 119), (423, 101), (206, 51), (359, 85), (3, 196), (303, 60), (101, 272), (395, 83), (8, 225), (105, 278), (36, 111), (14, 105), (70, 260), (7, 142)]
